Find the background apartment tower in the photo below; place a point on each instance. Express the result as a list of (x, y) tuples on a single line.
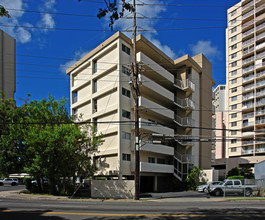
[(245, 47), (7, 65), (219, 103), (170, 91)]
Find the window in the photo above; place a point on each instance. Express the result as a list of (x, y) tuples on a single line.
[(95, 66), (95, 109), (233, 98), (233, 141), (233, 38), (234, 64), (161, 161), (237, 183), (126, 135), (126, 157), (234, 124), (126, 114), (75, 97), (126, 49), (126, 71), (233, 46), (233, 81), (234, 106), (234, 29), (234, 89), (234, 115), (126, 92), (95, 85), (96, 123), (151, 160), (234, 72), (233, 132), (233, 149), (233, 21), (233, 55), (233, 13), (222, 88)]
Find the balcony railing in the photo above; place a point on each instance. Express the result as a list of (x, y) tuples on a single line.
[(248, 124), (246, 88), (260, 112), (248, 32), (261, 121), (260, 93), (261, 73), (248, 5), (247, 69), (245, 79), (260, 149), (260, 8), (249, 151), (247, 24), (250, 105), (261, 45), (184, 157), (262, 25), (248, 50), (249, 59), (248, 14), (260, 83), (248, 115), (250, 96), (185, 84), (186, 122), (248, 142), (247, 42), (184, 103), (260, 36), (248, 133)]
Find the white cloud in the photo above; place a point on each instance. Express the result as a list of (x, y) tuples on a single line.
[(47, 20), (206, 48), (21, 34), (146, 24), (78, 55)]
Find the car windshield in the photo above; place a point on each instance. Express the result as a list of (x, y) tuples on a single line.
[(222, 183)]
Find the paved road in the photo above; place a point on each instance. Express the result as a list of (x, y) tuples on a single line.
[(166, 208), (11, 188)]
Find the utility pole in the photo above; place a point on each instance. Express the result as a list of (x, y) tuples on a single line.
[(136, 110)]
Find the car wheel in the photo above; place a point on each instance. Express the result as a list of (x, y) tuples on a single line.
[(218, 192), (13, 184), (248, 192), (205, 190)]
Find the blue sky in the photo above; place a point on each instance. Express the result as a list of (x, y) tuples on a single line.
[(45, 50)]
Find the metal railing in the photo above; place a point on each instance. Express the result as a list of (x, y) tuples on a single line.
[(248, 5), (184, 103), (245, 79), (187, 121), (184, 158), (249, 59), (247, 14), (247, 124)]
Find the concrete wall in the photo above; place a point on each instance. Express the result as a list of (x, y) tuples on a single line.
[(116, 189), (260, 170)]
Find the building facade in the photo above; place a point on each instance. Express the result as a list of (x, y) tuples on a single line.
[(173, 94), (8, 65), (245, 88)]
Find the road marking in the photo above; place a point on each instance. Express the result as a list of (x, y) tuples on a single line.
[(134, 215)]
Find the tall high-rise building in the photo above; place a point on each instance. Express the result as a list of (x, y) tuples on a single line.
[(175, 98), (7, 65), (245, 83)]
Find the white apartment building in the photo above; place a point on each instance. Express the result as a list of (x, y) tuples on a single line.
[(174, 97), (245, 88), (7, 65)]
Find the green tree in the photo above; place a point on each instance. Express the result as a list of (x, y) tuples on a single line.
[(234, 172), (193, 177), (247, 172), (4, 12)]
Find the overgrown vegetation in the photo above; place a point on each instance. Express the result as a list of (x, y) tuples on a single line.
[(246, 172)]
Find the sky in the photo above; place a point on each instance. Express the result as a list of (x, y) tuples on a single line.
[(51, 35)]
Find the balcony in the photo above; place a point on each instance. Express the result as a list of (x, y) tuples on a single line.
[(184, 158), (157, 148), (185, 85), (184, 103), (248, 133), (248, 124), (259, 27), (248, 115), (247, 106), (155, 109), (260, 112), (260, 93), (260, 55), (260, 141), (250, 142), (260, 149), (261, 45), (247, 151), (259, 65), (247, 24), (247, 42), (246, 33), (260, 36), (261, 121), (248, 69), (248, 60), (184, 140), (249, 87), (154, 128), (260, 83), (248, 96), (248, 5), (184, 122), (260, 8), (247, 14), (246, 79), (260, 73), (248, 50), (154, 167)]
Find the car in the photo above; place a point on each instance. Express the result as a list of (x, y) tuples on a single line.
[(45, 181), (205, 187), (9, 181)]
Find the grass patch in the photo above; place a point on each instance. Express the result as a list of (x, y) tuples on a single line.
[(249, 198)]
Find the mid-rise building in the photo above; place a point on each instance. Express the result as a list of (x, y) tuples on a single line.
[(174, 96), (245, 87)]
